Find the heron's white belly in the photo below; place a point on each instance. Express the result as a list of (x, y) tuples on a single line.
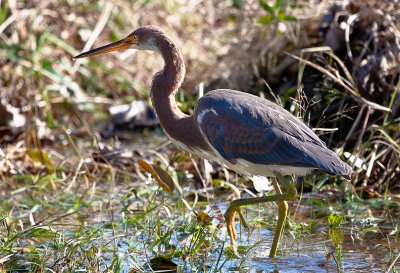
[(248, 168), (245, 167)]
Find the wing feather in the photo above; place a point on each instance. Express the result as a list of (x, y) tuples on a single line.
[(243, 126)]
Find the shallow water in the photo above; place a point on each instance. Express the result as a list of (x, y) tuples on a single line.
[(364, 249)]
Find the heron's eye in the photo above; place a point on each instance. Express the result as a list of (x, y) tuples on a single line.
[(135, 37)]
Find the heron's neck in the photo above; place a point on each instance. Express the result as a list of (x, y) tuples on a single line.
[(167, 81), (178, 125)]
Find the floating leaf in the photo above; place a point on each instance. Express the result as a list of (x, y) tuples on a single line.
[(204, 217), (161, 176), (163, 263), (165, 177)]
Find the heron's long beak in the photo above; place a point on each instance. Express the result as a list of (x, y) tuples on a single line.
[(119, 45)]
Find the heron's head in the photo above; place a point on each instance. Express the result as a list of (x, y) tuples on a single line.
[(144, 38)]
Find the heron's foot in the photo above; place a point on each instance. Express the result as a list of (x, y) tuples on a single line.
[(280, 198), (230, 224)]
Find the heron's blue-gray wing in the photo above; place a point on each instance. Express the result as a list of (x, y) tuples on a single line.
[(243, 126)]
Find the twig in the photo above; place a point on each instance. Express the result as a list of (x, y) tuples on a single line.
[(353, 127), (20, 25), (370, 165), (364, 126), (350, 21), (334, 125), (6, 258), (6, 23), (325, 129), (356, 150)]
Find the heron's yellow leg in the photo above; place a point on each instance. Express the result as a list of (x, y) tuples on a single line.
[(242, 220), (282, 214), (280, 197)]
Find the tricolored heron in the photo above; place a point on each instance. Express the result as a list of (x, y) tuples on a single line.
[(248, 134)]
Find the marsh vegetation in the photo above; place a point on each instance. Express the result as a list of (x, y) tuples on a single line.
[(76, 194)]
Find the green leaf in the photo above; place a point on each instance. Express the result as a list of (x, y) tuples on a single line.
[(40, 40), (48, 67), (265, 19), (3, 14), (40, 231), (278, 5), (50, 121), (266, 7), (285, 17), (13, 52), (335, 220), (337, 236)]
